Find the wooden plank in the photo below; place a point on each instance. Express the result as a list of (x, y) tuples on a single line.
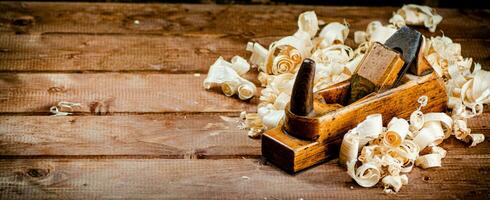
[(479, 50), (153, 135), (169, 54), (481, 122), (68, 53), (104, 93), (459, 178), (173, 135), (248, 21)]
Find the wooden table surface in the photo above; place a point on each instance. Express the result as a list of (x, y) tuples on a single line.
[(148, 129)]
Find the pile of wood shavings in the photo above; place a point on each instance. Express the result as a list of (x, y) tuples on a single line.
[(384, 153), (372, 152), (277, 65)]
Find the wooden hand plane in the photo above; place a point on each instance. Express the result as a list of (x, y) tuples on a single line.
[(316, 122)]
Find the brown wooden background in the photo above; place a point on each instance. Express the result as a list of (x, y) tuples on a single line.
[(477, 4), (147, 129)]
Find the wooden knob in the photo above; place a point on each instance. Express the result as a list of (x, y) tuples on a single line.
[(301, 103)]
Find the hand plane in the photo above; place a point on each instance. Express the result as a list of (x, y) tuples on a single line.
[(315, 123)]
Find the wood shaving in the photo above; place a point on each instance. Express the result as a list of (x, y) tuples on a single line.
[(227, 76), (270, 115), (349, 148), (308, 22), (412, 14), (334, 33), (64, 108), (467, 89), (251, 122), (396, 133), (429, 161), (375, 32), (246, 90), (259, 53), (367, 175), (476, 139), (240, 65), (394, 183)]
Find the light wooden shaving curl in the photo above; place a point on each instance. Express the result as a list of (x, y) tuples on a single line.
[(412, 14), (334, 33), (64, 108), (375, 32), (227, 76), (251, 122), (394, 182)]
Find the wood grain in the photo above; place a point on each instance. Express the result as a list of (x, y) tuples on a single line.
[(74, 53), (171, 135), (256, 20), (460, 177), (105, 93)]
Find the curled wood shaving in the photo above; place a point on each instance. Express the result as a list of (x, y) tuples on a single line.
[(461, 131), (360, 37), (429, 161), (64, 108), (259, 53), (467, 87), (251, 122), (281, 48), (240, 65), (283, 64), (476, 139), (432, 133), (335, 63), (396, 133), (369, 129), (442, 119), (246, 90), (349, 148), (334, 33), (375, 32), (367, 175), (441, 52), (281, 101), (438, 150), (412, 14), (394, 182), (308, 23), (227, 76), (271, 117), (416, 120)]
